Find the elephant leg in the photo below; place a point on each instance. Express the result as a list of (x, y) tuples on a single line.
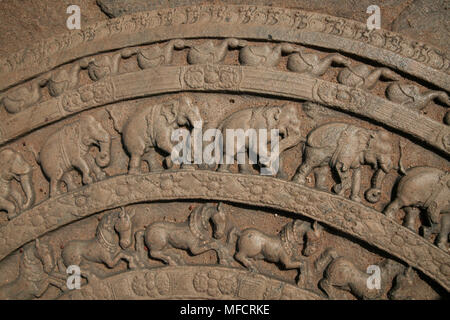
[(320, 176), (344, 177), (135, 164), (392, 208), (281, 174), (69, 181), (98, 172), (223, 167), (356, 185), (9, 207), (412, 214), (442, 238), (17, 198), (245, 167), (313, 159), (82, 165), (153, 162)]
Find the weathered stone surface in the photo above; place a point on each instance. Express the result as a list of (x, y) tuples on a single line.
[(87, 120)]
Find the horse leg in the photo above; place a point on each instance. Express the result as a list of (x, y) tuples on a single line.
[(290, 263), (112, 262), (246, 262), (201, 247), (164, 257), (327, 287)]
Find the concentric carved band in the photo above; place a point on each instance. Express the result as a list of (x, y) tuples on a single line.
[(190, 282), (235, 79), (386, 47), (347, 216)]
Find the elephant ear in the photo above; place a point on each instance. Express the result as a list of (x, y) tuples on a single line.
[(272, 116), (169, 111)]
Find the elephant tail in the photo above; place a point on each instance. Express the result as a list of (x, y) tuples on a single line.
[(36, 154)]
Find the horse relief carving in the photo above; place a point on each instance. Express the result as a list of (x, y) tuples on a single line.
[(341, 274), (149, 131), (37, 271), (296, 240), (427, 189), (344, 148), (306, 122), (111, 244), (14, 167), (192, 235), (69, 149)]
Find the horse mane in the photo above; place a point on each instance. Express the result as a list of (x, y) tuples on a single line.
[(107, 221), (197, 220)]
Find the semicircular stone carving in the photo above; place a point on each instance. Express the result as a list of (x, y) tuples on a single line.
[(89, 178)]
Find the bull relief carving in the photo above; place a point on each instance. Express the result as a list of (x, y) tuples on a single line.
[(349, 121)]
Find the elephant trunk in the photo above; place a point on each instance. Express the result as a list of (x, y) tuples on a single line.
[(27, 187), (104, 157), (374, 193)]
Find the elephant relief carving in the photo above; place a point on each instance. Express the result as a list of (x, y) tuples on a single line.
[(37, 271), (208, 52), (428, 189), (310, 64), (22, 98), (265, 55), (295, 240), (361, 76), (409, 95), (340, 274), (14, 167), (344, 148), (284, 118), (192, 235), (68, 149), (111, 244), (155, 56), (150, 129)]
